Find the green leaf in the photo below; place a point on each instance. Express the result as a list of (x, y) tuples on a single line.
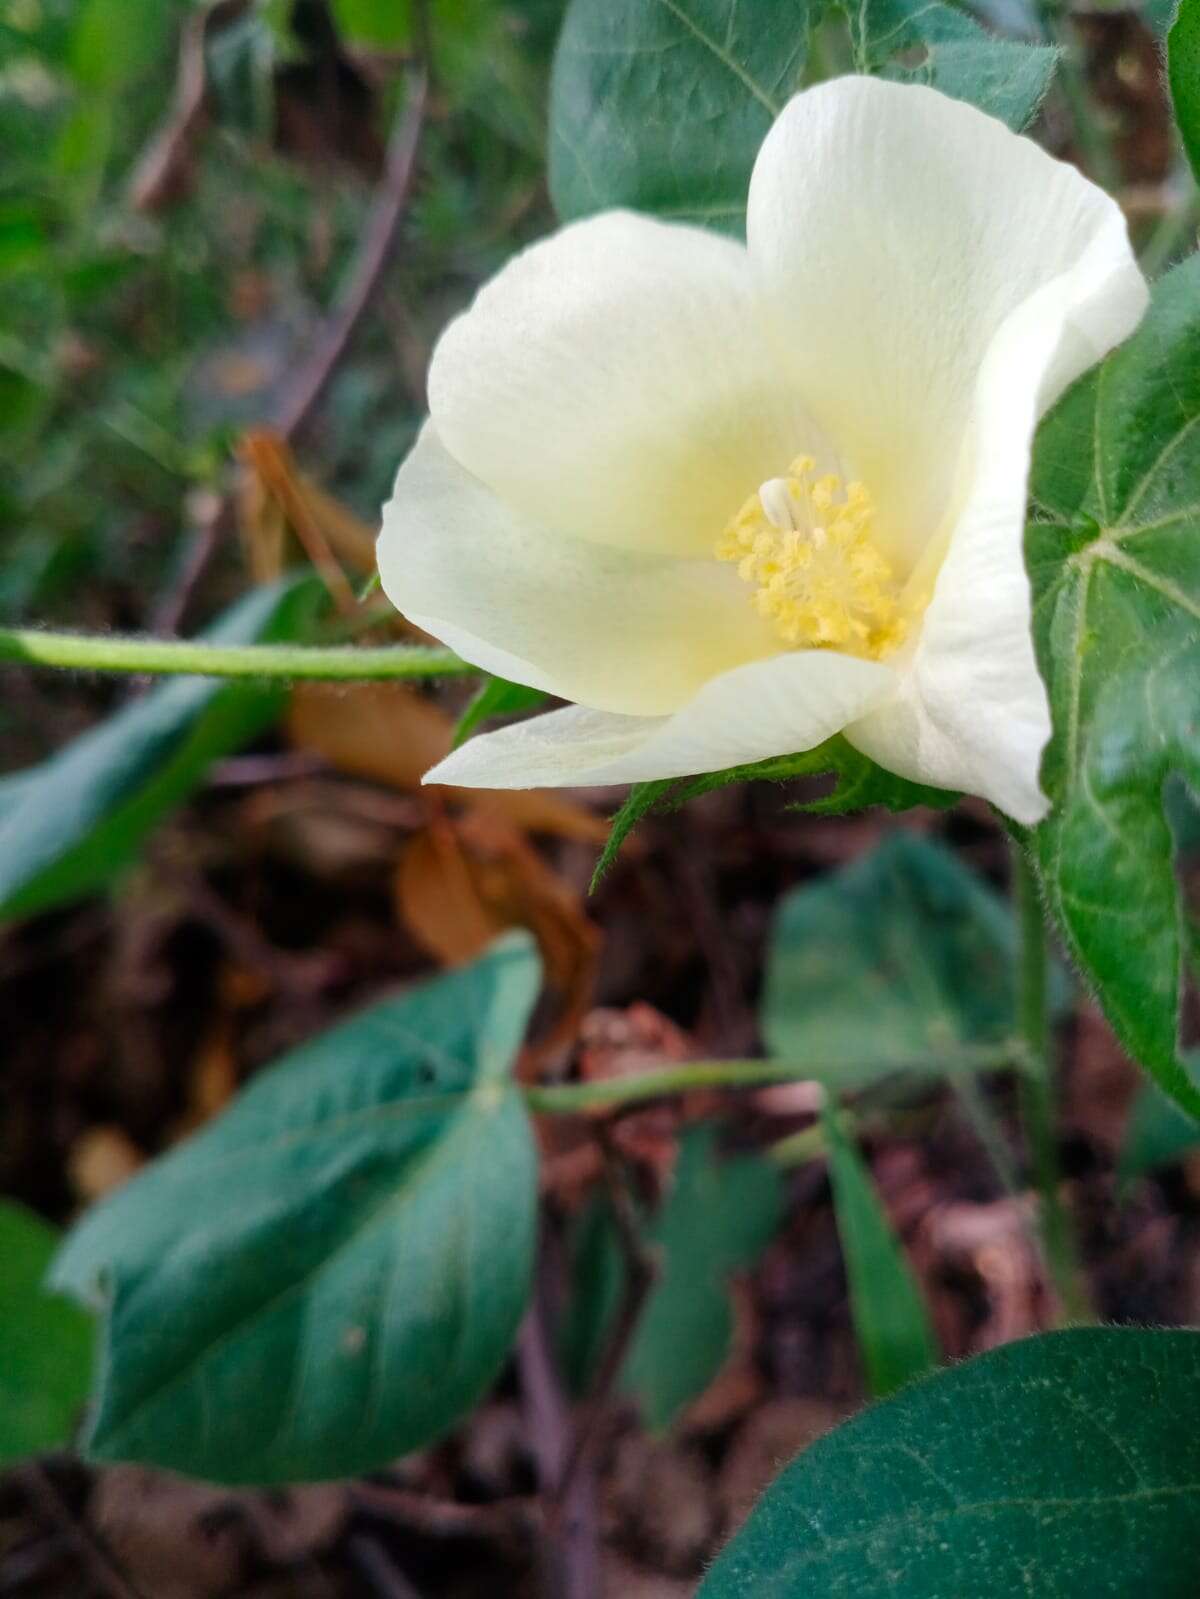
[(1183, 74), (45, 1342), (858, 785), (891, 1322), (904, 954), (719, 1217), (1059, 1466), (1114, 558), (1003, 78), (497, 697), (332, 1272), (68, 825), (1157, 1134), (662, 104), (115, 42), (381, 24)]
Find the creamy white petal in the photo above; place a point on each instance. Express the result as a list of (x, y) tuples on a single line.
[(613, 628), (972, 711), (777, 707), (614, 381), (894, 230)]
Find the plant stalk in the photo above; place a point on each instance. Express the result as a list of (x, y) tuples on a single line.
[(100, 652), (1037, 1096), (608, 1092)]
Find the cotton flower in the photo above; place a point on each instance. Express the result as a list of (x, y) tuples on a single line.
[(730, 500)]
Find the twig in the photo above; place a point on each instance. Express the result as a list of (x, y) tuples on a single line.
[(212, 524), (641, 1273), (383, 228), (569, 1564), (373, 1560), (102, 1569), (510, 1522)]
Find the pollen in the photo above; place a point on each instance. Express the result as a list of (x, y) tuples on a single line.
[(805, 543)]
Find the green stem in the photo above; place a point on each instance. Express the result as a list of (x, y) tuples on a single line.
[(1037, 1092), (90, 652), (574, 1098)]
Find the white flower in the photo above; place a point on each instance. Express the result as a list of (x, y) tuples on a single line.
[(732, 500)]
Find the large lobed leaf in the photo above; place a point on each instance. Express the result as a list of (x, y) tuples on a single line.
[(662, 105), (1059, 1466), (1114, 557), (333, 1272)]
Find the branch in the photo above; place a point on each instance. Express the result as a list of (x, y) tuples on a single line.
[(383, 228)]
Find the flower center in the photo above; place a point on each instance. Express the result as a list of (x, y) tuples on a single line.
[(806, 545)]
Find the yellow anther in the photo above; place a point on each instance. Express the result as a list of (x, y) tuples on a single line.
[(819, 576)]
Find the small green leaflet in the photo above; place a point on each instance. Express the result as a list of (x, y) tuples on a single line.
[(332, 1272), (45, 1342), (1060, 1466), (1114, 558), (891, 1322), (859, 784), (69, 825), (718, 1218), (1183, 74)]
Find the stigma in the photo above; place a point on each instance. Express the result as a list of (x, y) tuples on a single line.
[(806, 544)]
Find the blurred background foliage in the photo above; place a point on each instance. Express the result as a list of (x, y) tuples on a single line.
[(182, 191)]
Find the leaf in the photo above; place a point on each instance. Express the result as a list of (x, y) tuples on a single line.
[(380, 24), (891, 1321), (1114, 559), (114, 42), (662, 104), (68, 825), (45, 1343), (719, 1217), (1183, 75), (1157, 1134), (859, 784), (333, 1271), (904, 955), (1062, 1465), (1006, 79), (496, 697)]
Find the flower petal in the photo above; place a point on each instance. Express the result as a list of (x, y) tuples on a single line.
[(613, 628), (894, 230), (777, 707), (972, 711), (613, 381)]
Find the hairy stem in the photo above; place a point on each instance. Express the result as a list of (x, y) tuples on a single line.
[(576, 1098), (92, 652)]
